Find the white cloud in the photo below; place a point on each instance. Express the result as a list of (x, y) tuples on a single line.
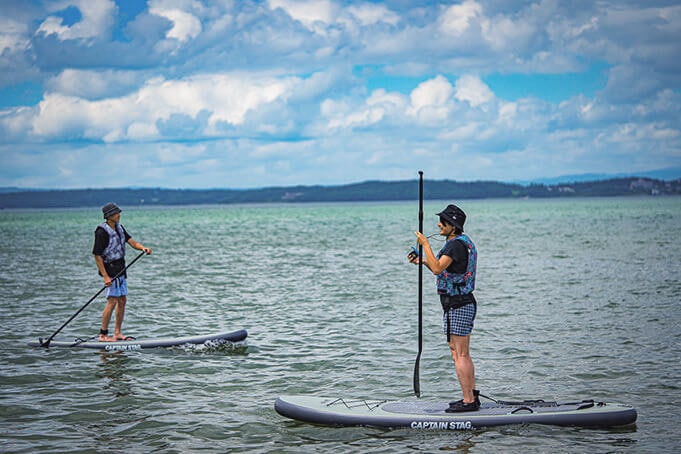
[(227, 98), (15, 122), (392, 101), (473, 90), (13, 35), (139, 131), (97, 18), (506, 34), (458, 18), (231, 98), (467, 131), (370, 14), (377, 108), (313, 14), (185, 25), (92, 84), (431, 100), (430, 103), (362, 118), (249, 88), (508, 113)]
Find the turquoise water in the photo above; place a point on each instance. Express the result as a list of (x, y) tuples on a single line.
[(578, 298)]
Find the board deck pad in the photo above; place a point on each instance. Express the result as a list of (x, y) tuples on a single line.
[(428, 415), (139, 344)]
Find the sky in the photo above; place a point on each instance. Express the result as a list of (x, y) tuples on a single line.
[(248, 94)]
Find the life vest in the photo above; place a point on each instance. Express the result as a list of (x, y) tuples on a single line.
[(459, 284), (115, 250)]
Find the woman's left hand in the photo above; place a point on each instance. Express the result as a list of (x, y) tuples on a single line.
[(421, 239)]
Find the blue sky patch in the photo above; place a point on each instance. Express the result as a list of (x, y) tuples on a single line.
[(69, 15), (549, 87), (24, 94), (128, 10)]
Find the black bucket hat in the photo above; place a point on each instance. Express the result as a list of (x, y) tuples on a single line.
[(110, 209), (454, 216)]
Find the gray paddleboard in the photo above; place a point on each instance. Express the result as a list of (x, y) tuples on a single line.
[(139, 344), (431, 415)]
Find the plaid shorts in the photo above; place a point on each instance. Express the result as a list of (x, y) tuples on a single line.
[(460, 320), (118, 287)]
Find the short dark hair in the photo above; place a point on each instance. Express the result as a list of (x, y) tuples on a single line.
[(457, 230)]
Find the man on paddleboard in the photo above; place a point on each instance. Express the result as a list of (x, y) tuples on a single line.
[(454, 267), (109, 252)]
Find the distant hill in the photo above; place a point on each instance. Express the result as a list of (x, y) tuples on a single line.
[(356, 192)]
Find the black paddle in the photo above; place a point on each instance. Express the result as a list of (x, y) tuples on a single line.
[(49, 339), (417, 383)]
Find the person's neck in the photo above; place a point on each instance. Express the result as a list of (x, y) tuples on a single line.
[(111, 223)]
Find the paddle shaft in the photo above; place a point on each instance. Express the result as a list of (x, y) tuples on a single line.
[(47, 342), (417, 381)]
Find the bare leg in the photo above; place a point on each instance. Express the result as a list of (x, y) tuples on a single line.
[(465, 370), (120, 314), (111, 304)]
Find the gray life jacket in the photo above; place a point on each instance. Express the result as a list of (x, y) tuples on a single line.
[(115, 250)]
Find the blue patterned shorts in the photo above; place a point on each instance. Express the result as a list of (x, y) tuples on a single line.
[(118, 287), (460, 320)]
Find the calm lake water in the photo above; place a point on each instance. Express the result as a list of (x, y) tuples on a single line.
[(578, 298)]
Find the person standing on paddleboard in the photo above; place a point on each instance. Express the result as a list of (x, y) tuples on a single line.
[(455, 267), (109, 252)]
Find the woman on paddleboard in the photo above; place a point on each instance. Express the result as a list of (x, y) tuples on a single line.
[(109, 252), (454, 267)]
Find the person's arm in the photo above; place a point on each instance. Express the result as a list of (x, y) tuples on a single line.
[(99, 261), (138, 246), (432, 263)]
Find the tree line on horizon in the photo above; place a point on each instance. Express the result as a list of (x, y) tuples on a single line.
[(357, 192)]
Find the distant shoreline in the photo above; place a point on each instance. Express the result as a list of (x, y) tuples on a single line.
[(369, 191)]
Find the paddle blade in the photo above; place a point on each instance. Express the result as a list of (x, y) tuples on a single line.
[(417, 381)]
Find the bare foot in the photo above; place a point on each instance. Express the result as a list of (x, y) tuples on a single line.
[(105, 338)]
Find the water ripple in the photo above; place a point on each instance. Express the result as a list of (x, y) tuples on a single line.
[(574, 303)]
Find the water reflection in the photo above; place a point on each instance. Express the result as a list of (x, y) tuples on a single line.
[(114, 367)]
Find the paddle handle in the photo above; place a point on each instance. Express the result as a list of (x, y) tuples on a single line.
[(49, 339)]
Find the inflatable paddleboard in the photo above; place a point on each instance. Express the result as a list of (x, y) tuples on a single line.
[(424, 415), (139, 344)]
